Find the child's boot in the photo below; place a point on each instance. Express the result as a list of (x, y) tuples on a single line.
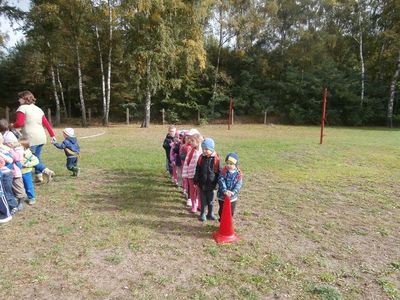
[(76, 171), (203, 217), (21, 204), (49, 173), (210, 215), (194, 205)]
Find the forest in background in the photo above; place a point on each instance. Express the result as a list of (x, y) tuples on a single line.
[(189, 56)]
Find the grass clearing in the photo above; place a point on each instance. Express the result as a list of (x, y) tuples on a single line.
[(315, 221)]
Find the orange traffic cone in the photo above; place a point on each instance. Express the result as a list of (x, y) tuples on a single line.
[(226, 233)]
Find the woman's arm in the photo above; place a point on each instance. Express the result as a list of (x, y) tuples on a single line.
[(19, 120), (48, 126)]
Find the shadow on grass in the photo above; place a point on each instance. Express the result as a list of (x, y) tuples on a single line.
[(149, 200)]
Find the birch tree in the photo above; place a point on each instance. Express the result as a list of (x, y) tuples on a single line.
[(74, 16), (159, 35), (105, 76), (393, 86), (44, 27)]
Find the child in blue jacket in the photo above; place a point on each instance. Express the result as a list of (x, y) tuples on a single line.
[(71, 149), (229, 182)]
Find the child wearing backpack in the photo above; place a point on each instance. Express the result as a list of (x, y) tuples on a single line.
[(230, 182), (71, 149), (206, 178)]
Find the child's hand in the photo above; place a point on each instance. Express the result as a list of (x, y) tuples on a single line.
[(228, 193), (53, 140)]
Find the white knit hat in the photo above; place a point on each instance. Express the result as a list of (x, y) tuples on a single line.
[(69, 132), (193, 131), (10, 138)]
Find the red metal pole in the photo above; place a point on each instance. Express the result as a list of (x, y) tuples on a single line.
[(230, 113), (323, 116)]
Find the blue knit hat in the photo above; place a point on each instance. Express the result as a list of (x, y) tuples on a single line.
[(232, 157), (208, 144)]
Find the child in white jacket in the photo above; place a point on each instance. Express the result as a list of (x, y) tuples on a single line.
[(191, 161)]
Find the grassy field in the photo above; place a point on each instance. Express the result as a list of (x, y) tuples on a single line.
[(315, 221)]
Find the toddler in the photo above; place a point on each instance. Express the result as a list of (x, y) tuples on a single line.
[(206, 177), (71, 149), (230, 182), (29, 160)]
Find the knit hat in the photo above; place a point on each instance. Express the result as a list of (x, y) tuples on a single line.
[(10, 138), (208, 143), (232, 157), (193, 131), (69, 132)]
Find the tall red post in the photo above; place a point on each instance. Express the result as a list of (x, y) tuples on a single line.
[(323, 116), (230, 113)]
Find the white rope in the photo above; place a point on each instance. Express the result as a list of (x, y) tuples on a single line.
[(92, 136)]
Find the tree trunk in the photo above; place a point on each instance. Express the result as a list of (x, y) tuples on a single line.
[(392, 94), (60, 86), (109, 63), (147, 106), (361, 60), (53, 81), (80, 85), (103, 80), (218, 62)]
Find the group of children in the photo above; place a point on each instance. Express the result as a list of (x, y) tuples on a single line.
[(16, 165), (195, 166)]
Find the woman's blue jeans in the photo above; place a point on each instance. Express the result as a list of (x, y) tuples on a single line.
[(37, 151)]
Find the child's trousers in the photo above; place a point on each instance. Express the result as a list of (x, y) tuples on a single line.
[(18, 188), (207, 199), (72, 164), (193, 194), (221, 206), (28, 183), (7, 181), (179, 175), (4, 210)]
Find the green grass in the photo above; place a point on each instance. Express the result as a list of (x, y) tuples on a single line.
[(315, 221)]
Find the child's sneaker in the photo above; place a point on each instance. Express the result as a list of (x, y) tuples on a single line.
[(189, 202), (78, 172), (39, 178), (31, 201), (49, 173), (4, 219), (14, 211), (202, 217)]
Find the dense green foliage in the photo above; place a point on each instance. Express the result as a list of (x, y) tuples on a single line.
[(189, 56)]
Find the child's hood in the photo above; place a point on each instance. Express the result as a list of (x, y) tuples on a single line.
[(72, 140)]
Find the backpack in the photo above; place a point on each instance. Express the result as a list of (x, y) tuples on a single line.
[(216, 162)]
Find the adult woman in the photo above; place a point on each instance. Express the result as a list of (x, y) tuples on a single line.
[(32, 119)]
